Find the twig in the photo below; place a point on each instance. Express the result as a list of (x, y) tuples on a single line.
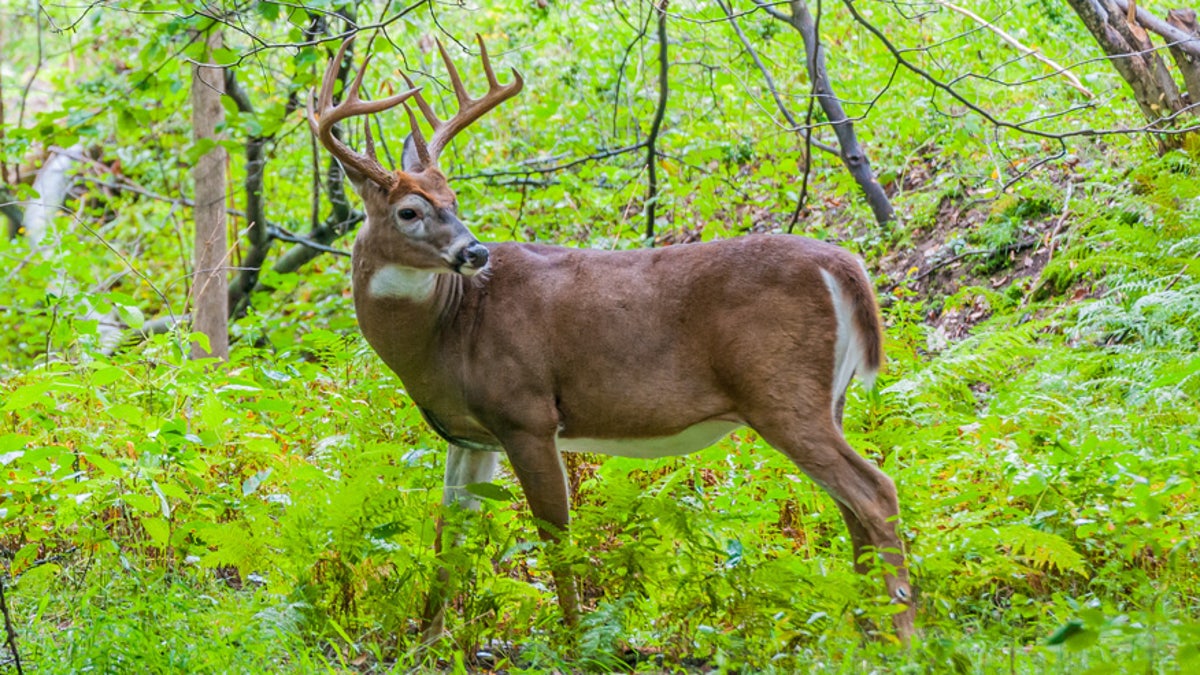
[(258, 231), (802, 198), (32, 77), (3, 127), (1007, 248), (624, 60), (1062, 217), (10, 632), (283, 235), (264, 45), (1020, 127), (1074, 81), (770, 82), (602, 154), (1179, 275), (656, 124)]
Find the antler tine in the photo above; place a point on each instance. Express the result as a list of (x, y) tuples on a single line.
[(426, 110), (487, 64), (369, 142), (469, 109), (460, 92), (318, 103), (417, 137), (331, 71), (323, 115)]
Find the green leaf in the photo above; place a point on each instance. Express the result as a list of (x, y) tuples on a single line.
[(27, 395), (490, 491), (158, 529), (389, 530), (24, 558), (131, 316), (224, 55), (12, 447), (163, 504), (107, 375), (128, 413), (105, 465), (143, 503), (268, 10), (1065, 632)]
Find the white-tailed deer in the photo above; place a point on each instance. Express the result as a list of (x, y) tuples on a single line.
[(535, 350)]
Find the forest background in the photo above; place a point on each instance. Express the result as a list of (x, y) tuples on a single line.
[(1031, 220)]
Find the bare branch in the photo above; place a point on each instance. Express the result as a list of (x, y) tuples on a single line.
[(264, 45), (283, 235), (1189, 64), (852, 154), (1016, 44), (770, 82), (3, 126), (1158, 126), (656, 124), (601, 154), (10, 632), (624, 60), (1007, 248)]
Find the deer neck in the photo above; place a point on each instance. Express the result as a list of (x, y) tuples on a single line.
[(406, 315)]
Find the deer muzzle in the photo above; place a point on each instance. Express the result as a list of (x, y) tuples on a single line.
[(471, 259)]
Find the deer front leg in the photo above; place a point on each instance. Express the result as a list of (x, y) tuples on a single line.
[(539, 470), (463, 467)]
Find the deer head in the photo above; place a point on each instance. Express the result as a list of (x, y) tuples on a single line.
[(412, 213)]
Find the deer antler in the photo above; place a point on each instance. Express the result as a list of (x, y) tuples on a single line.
[(469, 109), (323, 114)]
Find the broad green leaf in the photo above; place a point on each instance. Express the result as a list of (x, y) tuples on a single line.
[(490, 491), (158, 529)]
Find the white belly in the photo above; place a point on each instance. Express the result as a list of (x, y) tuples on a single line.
[(690, 440)]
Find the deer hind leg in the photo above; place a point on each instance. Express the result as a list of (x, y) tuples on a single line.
[(864, 494), (859, 537), (463, 467)]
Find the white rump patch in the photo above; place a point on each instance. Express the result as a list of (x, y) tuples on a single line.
[(692, 439), (401, 283), (848, 351)]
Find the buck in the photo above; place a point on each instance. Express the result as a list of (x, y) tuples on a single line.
[(532, 350)]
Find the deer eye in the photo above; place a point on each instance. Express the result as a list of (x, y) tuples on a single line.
[(406, 214)]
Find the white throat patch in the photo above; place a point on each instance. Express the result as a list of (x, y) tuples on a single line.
[(401, 283)]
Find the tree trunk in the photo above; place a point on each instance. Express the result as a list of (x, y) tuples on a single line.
[(1189, 64), (210, 292), (51, 184), (1135, 58), (12, 211)]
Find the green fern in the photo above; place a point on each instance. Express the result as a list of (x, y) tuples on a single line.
[(1040, 549)]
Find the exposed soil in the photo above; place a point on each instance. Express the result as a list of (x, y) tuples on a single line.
[(933, 262)]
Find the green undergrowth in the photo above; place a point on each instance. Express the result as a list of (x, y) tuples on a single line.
[(276, 514)]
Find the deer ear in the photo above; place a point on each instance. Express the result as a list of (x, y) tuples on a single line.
[(410, 162)]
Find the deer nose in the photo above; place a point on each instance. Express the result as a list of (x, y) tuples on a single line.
[(474, 255)]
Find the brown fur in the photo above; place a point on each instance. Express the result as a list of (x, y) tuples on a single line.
[(430, 184), (553, 342)]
